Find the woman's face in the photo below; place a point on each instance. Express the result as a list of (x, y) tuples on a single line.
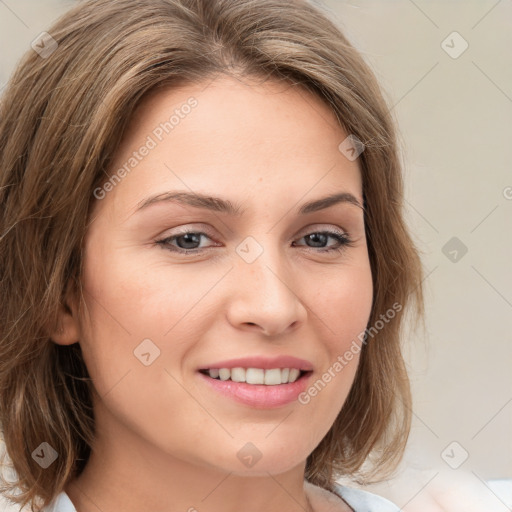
[(255, 278)]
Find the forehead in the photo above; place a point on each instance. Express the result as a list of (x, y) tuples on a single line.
[(234, 107), (237, 136)]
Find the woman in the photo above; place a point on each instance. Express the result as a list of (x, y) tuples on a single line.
[(253, 367)]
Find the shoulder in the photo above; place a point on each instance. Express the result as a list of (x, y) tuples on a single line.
[(356, 499), (346, 499), (364, 501), (61, 503)]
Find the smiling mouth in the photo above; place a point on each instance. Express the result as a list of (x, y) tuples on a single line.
[(268, 377)]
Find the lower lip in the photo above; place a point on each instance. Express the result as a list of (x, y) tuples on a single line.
[(259, 396)]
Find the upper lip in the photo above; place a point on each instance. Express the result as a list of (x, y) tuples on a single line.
[(265, 363)]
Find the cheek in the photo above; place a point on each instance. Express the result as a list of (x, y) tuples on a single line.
[(343, 308), (111, 326), (129, 303), (124, 329), (344, 304)]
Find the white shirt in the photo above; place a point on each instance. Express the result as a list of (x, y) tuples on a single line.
[(359, 501)]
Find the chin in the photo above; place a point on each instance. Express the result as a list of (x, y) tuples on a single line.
[(259, 462), (261, 469)]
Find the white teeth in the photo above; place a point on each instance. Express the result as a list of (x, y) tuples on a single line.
[(224, 374), (255, 376), (238, 374), (271, 377), (294, 374)]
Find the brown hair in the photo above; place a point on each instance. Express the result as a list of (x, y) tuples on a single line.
[(62, 118)]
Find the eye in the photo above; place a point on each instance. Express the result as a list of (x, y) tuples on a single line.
[(188, 242), (319, 238)]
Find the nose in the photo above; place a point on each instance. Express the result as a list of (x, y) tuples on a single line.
[(265, 296)]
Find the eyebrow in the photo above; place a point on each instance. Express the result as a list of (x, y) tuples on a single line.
[(220, 205)]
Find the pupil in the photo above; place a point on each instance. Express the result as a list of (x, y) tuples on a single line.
[(318, 236), (195, 239)]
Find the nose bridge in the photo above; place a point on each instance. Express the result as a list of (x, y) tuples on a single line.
[(263, 264), (265, 293)]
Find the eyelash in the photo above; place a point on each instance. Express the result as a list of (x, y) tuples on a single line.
[(342, 238)]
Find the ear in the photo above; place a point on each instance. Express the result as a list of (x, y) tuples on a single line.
[(68, 329)]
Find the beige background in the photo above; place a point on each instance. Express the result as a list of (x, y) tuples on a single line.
[(455, 118)]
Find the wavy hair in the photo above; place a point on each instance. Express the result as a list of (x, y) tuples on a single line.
[(62, 118)]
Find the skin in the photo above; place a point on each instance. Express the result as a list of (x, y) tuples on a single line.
[(163, 437)]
